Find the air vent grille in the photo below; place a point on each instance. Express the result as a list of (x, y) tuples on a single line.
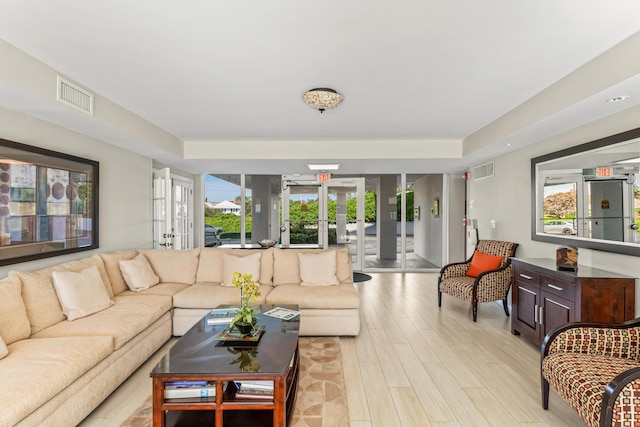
[(483, 171), (74, 96)]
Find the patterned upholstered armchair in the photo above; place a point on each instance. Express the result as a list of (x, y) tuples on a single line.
[(486, 284), (596, 369)]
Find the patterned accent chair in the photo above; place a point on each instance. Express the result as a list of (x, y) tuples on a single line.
[(490, 285), (596, 369)]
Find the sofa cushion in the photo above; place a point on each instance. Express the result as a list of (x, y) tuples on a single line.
[(112, 267), (318, 269), (174, 265), (129, 316), (286, 268), (138, 273), (81, 293), (39, 295), (210, 295), (344, 295), (3, 348), (249, 264), (14, 323), (211, 264), (37, 369)]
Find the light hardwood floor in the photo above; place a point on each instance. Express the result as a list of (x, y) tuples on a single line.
[(415, 364)]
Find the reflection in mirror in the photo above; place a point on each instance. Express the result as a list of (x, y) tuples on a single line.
[(589, 195)]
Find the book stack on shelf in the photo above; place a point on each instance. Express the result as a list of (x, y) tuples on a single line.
[(254, 390), (189, 389)]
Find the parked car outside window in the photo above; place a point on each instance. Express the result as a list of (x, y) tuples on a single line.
[(212, 236), (558, 226)]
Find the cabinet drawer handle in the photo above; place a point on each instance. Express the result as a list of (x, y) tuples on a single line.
[(541, 316), (525, 276), (557, 288), (535, 314)]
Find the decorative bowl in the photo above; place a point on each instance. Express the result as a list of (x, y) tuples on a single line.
[(267, 243)]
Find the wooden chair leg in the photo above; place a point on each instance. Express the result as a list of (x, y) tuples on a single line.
[(439, 298), (475, 310), (545, 394), (506, 307)]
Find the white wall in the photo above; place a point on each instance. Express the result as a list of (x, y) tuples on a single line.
[(125, 212), (506, 197)]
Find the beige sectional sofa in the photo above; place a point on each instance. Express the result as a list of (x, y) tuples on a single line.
[(54, 372)]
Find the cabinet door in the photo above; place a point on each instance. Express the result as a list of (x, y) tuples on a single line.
[(526, 301), (556, 311)]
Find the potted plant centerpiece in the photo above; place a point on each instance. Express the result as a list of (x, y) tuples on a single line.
[(250, 291)]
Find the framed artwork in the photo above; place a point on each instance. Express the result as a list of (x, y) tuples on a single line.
[(48, 203)]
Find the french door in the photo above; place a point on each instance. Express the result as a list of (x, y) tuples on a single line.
[(325, 215), (172, 211)]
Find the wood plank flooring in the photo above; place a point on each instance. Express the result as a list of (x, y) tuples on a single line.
[(415, 364)]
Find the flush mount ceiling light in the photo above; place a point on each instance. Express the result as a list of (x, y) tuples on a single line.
[(323, 166), (322, 98), (618, 98)]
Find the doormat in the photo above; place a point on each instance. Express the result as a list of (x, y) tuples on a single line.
[(360, 277)]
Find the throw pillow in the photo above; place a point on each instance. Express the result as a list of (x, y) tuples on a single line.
[(14, 323), (242, 264), (81, 293), (3, 349), (482, 262), (138, 274), (318, 269)]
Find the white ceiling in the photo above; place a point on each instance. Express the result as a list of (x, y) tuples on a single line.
[(230, 72)]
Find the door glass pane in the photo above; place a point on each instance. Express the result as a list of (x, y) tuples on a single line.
[(161, 209), (262, 202), (304, 215), (424, 217), (382, 230), (182, 215), (342, 218)]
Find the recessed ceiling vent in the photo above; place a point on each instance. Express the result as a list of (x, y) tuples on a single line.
[(72, 95), (483, 171)]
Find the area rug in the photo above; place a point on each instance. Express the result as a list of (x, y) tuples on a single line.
[(360, 277), (321, 399)]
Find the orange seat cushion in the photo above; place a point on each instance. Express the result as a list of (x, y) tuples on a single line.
[(482, 262)]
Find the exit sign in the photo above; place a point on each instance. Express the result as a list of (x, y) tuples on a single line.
[(324, 177), (603, 172)]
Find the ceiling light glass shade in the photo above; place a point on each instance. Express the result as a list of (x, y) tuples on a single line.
[(322, 98)]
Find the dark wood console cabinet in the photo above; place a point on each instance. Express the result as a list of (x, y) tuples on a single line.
[(543, 297)]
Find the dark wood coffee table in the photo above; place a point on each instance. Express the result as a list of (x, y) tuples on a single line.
[(198, 356)]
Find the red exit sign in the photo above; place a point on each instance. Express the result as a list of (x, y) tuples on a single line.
[(603, 172), (324, 177)]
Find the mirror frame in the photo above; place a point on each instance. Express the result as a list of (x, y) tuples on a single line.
[(600, 245)]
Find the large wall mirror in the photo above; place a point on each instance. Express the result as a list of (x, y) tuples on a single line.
[(589, 195), (48, 203)]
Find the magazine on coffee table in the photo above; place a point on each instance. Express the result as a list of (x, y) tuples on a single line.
[(282, 313)]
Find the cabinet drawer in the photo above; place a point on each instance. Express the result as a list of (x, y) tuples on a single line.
[(526, 275), (558, 287)]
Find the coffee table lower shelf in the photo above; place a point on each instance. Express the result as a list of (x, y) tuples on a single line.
[(234, 412)]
